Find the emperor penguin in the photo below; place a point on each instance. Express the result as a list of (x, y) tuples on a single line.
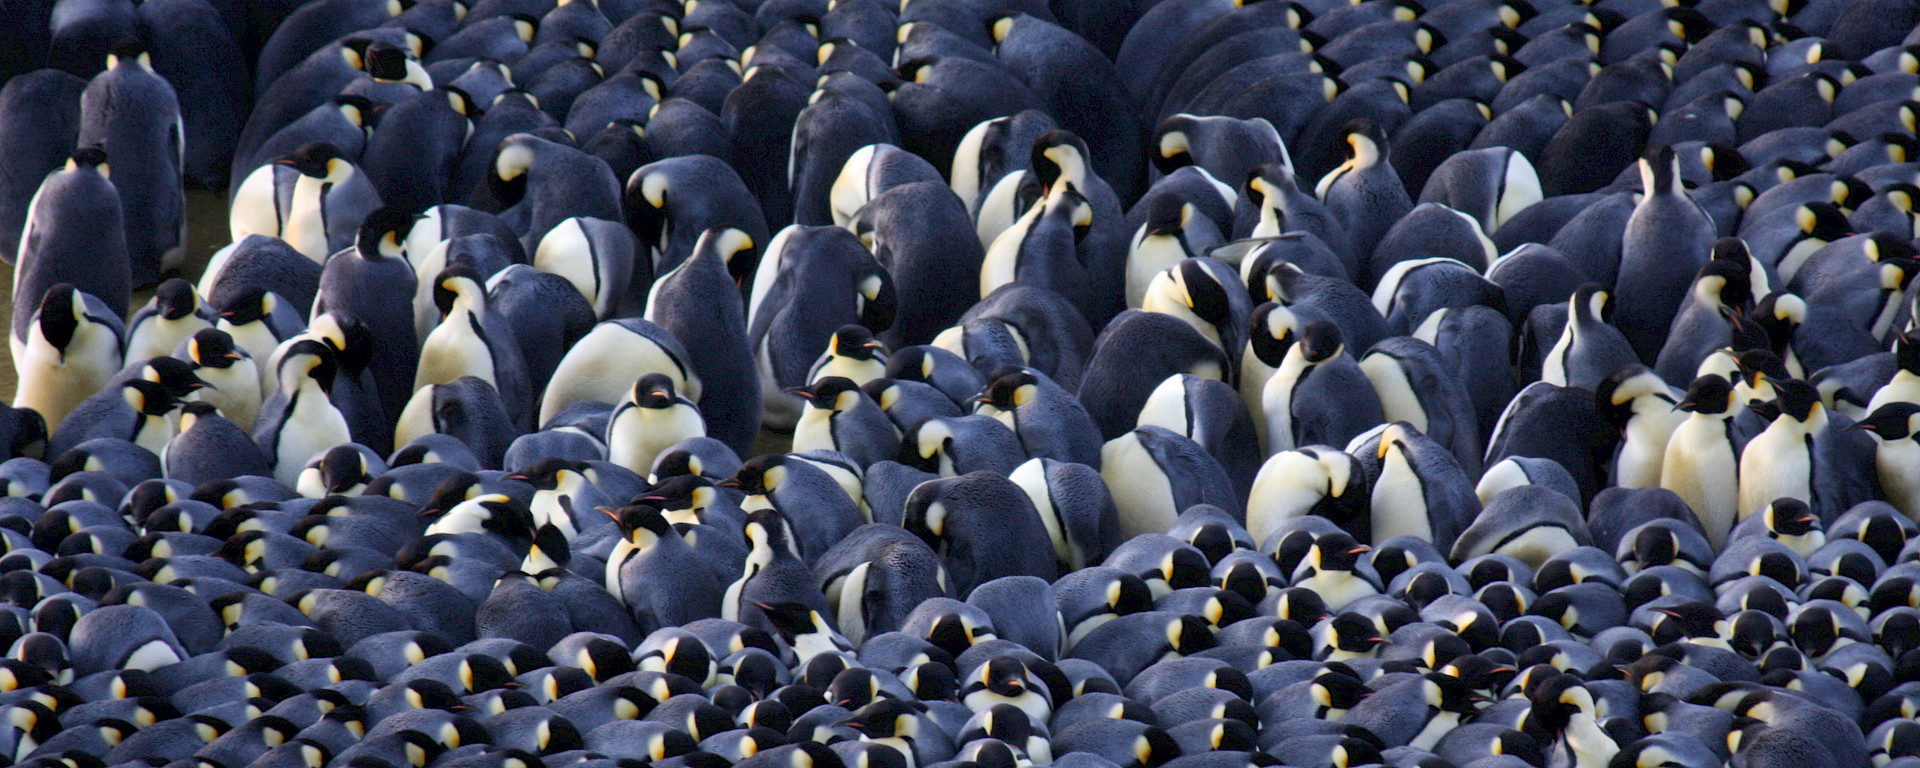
[(174, 314), (1779, 462), (314, 199), (70, 349), (1421, 490), (1155, 473), (605, 363), (839, 416), (1282, 207), (1722, 294), (1667, 240), (657, 574), (1364, 193), (1590, 348), (72, 236), (1645, 410), (773, 575), (299, 419), (652, 418), (473, 341), (131, 112), (1158, 245), (699, 302), (233, 382), (1050, 421), (1076, 508), (1315, 480), (1206, 294), (207, 446), (1701, 462), (599, 258), (1318, 395), (1896, 426), (1332, 569), (373, 282)]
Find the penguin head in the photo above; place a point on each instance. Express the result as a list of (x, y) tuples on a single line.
[(655, 391), (791, 619), (89, 158), (1320, 341), (319, 160), (1660, 171), (1822, 221), (147, 398), (1353, 633), (1003, 675), (1204, 290), (1760, 366), (213, 348), (308, 359), (1798, 399), (640, 521), (1616, 394), (1896, 420), (456, 283), (1789, 517), (1447, 693), (1167, 216), (383, 233), (1337, 691), (760, 475), (1592, 302), (855, 342), (1275, 330), (1058, 156), (176, 299), (350, 338), (343, 468), (681, 493), (389, 63), (250, 306), (174, 374), (831, 393), (1366, 143), (1725, 282), (129, 50), (767, 528), (1011, 388), (62, 311)]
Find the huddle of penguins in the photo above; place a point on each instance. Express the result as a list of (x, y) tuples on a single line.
[(1184, 384)]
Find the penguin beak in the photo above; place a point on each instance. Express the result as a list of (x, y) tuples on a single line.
[(728, 483), (802, 392), (870, 345), (1359, 549), (429, 513), (660, 393)]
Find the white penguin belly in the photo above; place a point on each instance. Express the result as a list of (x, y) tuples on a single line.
[(1639, 464), (1399, 504), (640, 434), (1898, 463), (313, 427), (1151, 256), (1139, 487), (454, 350), (1276, 399), (1776, 464)]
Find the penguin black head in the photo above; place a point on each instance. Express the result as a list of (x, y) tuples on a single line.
[(1659, 170), (1760, 365), (1058, 155), (176, 299), (830, 393), (1273, 332), (127, 49), (174, 374), (1168, 215), (1355, 633), (1797, 398), (931, 681), (1205, 294), (342, 468), (759, 475), (1366, 142), (309, 358), (1335, 551), (1726, 282), (790, 619), (638, 517), (149, 398), (1893, 421), (654, 390), (382, 234), (1336, 690), (1011, 388), (854, 341), (1789, 517), (249, 306), (1004, 675), (453, 282), (385, 61), (213, 348), (1321, 341), (61, 312), (1614, 395), (318, 160)]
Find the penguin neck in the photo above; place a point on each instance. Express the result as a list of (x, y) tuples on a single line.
[(1662, 178), (153, 432)]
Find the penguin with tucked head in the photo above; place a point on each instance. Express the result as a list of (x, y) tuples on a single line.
[(1590, 347), (1155, 473), (1062, 163), (173, 315), (472, 340), (603, 365), (69, 349), (670, 204), (1313, 481), (131, 111), (1050, 422), (373, 283), (540, 183), (600, 259), (1364, 193), (1319, 395), (412, 161), (699, 303), (1208, 296), (209, 447), (652, 418), (1421, 490)]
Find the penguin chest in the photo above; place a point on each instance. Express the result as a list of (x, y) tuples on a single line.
[(1338, 589), (306, 219), (1151, 256), (815, 430), (1399, 501), (1777, 463), (235, 391), (1642, 454), (1898, 463), (636, 436), (453, 350), (1436, 727), (1276, 398), (312, 425), (1553, 370), (1398, 399), (1699, 465), (152, 433), (550, 508)]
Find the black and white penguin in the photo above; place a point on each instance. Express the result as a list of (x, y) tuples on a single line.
[(774, 577), (540, 183), (1722, 294), (652, 418), (69, 349), (1365, 193), (656, 574), (472, 340), (1076, 508), (1421, 490), (1779, 462), (314, 198), (43, 119), (600, 258), (1051, 422), (233, 384), (1318, 395), (700, 303), (841, 417), (1206, 294), (1155, 473), (984, 525), (1590, 348), (671, 203), (1158, 245), (1645, 410), (1667, 240), (603, 365), (209, 447), (1315, 480), (131, 112), (811, 285), (374, 284), (299, 419), (72, 237), (1898, 456)]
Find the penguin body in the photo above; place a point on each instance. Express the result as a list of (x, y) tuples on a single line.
[(299, 419), (70, 349), (174, 314), (71, 237), (313, 198), (1365, 193), (968, 517), (811, 281), (1420, 490), (840, 417), (1051, 423), (918, 231), (41, 144), (1590, 348), (473, 341), (1156, 473), (131, 112), (606, 362), (699, 301), (600, 258), (657, 575), (1318, 395), (373, 283)]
